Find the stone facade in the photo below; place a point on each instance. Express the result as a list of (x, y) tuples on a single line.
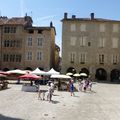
[(25, 46), (57, 57), (91, 45)]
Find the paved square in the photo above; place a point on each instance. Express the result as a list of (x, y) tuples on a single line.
[(100, 104)]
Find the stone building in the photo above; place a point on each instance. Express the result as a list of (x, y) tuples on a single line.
[(24, 46), (57, 57), (91, 45)]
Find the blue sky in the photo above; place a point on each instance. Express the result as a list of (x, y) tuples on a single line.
[(45, 11)]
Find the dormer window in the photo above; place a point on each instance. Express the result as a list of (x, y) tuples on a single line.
[(40, 31), (31, 31)]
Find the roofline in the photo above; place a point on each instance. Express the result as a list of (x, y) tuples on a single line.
[(90, 20), (41, 28)]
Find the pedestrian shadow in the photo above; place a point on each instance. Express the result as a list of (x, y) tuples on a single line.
[(55, 102), (91, 92), (6, 88), (44, 91), (55, 95), (2, 117), (76, 96)]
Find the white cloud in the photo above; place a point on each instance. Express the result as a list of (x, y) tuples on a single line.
[(45, 17)]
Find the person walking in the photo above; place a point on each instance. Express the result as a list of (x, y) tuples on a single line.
[(83, 85), (72, 88), (49, 93), (39, 92), (80, 84)]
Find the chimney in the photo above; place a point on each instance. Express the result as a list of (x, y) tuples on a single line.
[(92, 16), (51, 24), (73, 16), (65, 15)]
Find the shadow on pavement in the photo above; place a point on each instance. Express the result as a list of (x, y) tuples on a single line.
[(55, 102), (91, 92), (55, 95), (2, 117), (76, 96), (108, 82)]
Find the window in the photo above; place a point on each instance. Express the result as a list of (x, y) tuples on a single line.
[(73, 41), (13, 30), (83, 27), (101, 42), (29, 42), (12, 58), (5, 57), (29, 56), (9, 29), (115, 27), (40, 41), (115, 42), (6, 29), (82, 40), (115, 59), (82, 58), (18, 58), (89, 43), (12, 43), (72, 57), (6, 43), (101, 59), (18, 43), (102, 27), (39, 55), (73, 27)]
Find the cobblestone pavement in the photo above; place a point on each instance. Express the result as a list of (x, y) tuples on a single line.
[(100, 104)]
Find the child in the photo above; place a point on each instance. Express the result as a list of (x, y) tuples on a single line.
[(72, 88)]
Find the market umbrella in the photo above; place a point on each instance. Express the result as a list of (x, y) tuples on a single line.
[(69, 73), (37, 71), (52, 72), (30, 77), (2, 77), (83, 74), (17, 71), (61, 76), (4, 73), (76, 75)]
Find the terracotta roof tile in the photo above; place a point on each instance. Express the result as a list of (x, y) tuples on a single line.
[(13, 21)]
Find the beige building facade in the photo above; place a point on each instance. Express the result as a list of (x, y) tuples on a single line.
[(57, 57), (91, 45), (24, 46)]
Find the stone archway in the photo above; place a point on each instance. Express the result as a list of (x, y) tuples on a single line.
[(114, 75), (5, 69), (28, 68), (15, 68), (101, 74), (41, 68), (71, 69), (84, 70)]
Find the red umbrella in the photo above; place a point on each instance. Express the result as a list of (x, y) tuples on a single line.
[(2, 77), (4, 73), (30, 77)]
